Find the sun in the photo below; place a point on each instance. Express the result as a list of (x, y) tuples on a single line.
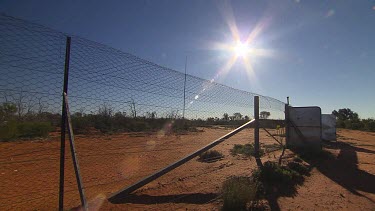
[(241, 49)]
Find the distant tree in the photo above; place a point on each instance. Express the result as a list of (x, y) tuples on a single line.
[(7, 110), (225, 117), (345, 114), (20, 104), (42, 107), (151, 115), (264, 114), (346, 118), (210, 119), (237, 116), (105, 110), (133, 110), (246, 118), (173, 114)]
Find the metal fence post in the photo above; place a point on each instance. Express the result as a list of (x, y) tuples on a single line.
[(256, 128), (63, 127), (287, 125), (183, 110)]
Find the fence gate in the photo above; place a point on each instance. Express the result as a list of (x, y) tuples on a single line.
[(305, 127)]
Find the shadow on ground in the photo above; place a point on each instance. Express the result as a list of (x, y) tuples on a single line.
[(192, 198), (344, 169)]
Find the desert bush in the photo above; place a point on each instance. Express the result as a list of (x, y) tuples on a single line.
[(12, 129), (8, 130), (357, 125), (298, 167), (33, 129), (210, 155), (81, 124), (247, 150), (274, 174), (237, 192), (369, 124)]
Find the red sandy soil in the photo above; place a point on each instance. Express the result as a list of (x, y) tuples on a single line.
[(29, 172)]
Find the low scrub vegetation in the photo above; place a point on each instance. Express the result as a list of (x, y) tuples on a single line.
[(346, 118), (247, 150), (210, 156), (238, 192), (12, 130), (274, 175), (298, 167), (243, 193)]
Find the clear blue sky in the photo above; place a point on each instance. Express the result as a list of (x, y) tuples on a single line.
[(323, 51)]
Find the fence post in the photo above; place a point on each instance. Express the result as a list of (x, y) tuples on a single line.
[(63, 127), (183, 110), (287, 126), (256, 128)]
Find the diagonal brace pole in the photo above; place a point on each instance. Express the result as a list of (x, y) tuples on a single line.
[(116, 197), (74, 156)]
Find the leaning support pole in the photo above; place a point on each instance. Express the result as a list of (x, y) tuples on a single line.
[(272, 136), (74, 156), (118, 196), (63, 127)]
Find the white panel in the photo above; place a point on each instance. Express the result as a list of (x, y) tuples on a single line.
[(308, 122), (328, 127)]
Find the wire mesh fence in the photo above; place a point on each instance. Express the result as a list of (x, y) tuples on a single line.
[(130, 117)]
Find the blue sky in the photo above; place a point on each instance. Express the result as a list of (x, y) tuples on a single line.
[(322, 51)]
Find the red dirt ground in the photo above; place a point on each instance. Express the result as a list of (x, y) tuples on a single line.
[(29, 172)]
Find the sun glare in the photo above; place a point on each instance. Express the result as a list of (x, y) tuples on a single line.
[(244, 50), (241, 49)]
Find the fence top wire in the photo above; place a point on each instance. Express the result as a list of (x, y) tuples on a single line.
[(102, 77)]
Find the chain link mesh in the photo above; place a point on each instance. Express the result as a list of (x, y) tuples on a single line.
[(129, 117)]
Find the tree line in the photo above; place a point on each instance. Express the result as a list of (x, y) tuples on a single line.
[(38, 123), (346, 118)]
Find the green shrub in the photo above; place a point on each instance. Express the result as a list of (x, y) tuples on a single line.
[(210, 155), (13, 129), (247, 150), (33, 129), (357, 125), (275, 175), (369, 124), (8, 130), (298, 167), (81, 124), (237, 192), (348, 124)]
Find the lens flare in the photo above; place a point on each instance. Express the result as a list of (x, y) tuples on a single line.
[(246, 50), (241, 49)]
